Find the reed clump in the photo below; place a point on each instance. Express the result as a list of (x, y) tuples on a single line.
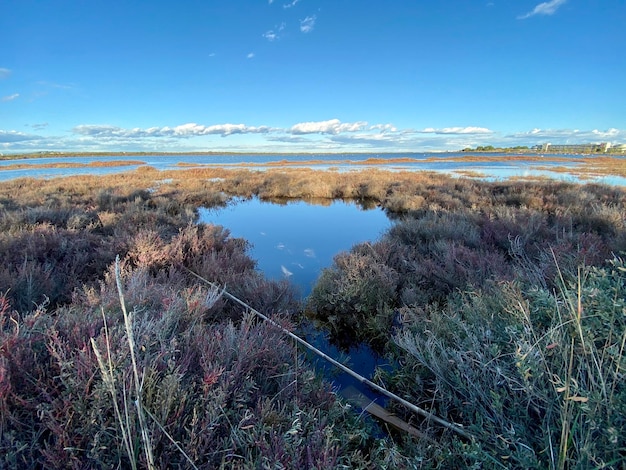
[(535, 374)]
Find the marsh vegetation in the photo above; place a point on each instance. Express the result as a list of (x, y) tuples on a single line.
[(502, 306)]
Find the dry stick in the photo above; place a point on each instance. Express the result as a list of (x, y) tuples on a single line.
[(451, 426), (172, 440)]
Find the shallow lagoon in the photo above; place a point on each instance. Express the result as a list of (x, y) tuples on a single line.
[(492, 167)]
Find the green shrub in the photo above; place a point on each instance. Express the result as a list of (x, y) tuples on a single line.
[(537, 376), (355, 296)]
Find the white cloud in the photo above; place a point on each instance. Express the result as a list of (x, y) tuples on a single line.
[(545, 8), (368, 140), (307, 24), (181, 131), (569, 136), (292, 139), (332, 126), (14, 136), (384, 127), (313, 136), (612, 132), (273, 34), (60, 86), (4, 73), (230, 129), (456, 130), (10, 97), (291, 4), (185, 130), (270, 35), (250, 55)]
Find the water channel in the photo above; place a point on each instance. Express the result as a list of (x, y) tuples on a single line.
[(296, 240)]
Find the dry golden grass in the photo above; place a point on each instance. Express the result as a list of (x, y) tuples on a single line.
[(608, 166), (29, 166), (471, 174)]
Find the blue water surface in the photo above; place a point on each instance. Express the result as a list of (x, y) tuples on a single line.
[(297, 239), (491, 168)]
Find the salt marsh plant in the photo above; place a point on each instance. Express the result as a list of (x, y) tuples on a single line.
[(495, 301), (537, 375), (216, 387)]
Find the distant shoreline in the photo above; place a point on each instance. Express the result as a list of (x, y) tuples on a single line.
[(519, 152), (17, 156)]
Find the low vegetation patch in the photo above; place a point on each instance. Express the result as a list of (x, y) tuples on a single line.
[(502, 306), (97, 164), (507, 318)]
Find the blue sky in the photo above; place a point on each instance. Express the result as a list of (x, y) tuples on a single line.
[(309, 76)]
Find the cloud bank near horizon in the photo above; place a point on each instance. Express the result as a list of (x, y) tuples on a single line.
[(330, 135)]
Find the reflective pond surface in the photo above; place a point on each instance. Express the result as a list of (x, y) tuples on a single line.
[(295, 240)]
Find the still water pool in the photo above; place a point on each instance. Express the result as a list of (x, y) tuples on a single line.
[(296, 240)]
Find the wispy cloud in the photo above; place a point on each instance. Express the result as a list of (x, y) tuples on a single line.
[(4, 73), (38, 126), (270, 35), (14, 136), (383, 127), (11, 97), (569, 136), (274, 34), (456, 130), (291, 4), (294, 134), (291, 139), (307, 24), (372, 140), (250, 55), (59, 86), (545, 8), (331, 135), (332, 126)]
